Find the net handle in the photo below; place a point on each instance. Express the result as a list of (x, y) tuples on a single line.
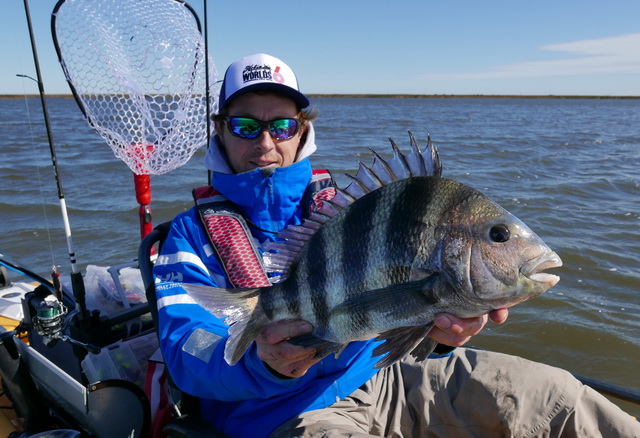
[(142, 184)]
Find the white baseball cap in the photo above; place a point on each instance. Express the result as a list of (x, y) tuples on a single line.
[(260, 72)]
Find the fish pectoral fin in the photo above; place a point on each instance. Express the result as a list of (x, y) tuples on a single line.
[(415, 294), (420, 273), (322, 346), (399, 342), (424, 348)]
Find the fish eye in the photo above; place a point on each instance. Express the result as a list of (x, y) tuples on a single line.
[(499, 233)]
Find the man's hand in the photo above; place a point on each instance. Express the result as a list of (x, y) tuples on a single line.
[(294, 361), (455, 332), (282, 357)]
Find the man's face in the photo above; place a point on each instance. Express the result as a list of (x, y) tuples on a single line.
[(263, 151)]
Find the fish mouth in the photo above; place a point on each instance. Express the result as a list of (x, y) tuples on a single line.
[(533, 269)]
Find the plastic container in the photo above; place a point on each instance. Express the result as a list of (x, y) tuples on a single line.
[(126, 360)]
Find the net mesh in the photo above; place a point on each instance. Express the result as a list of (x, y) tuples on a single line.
[(137, 69)]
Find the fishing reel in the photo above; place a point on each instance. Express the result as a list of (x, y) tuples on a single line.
[(49, 318), (50, 322)]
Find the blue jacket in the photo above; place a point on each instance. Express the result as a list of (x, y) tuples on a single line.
[(244, 400)]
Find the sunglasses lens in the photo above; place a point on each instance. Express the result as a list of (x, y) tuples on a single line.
[(243, 127), (283, 129)]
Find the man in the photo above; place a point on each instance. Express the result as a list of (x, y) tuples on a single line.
[(262, 181)]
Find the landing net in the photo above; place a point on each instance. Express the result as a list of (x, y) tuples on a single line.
[(137, 70)]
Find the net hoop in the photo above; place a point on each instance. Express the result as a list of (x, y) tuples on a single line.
[(137, 71)]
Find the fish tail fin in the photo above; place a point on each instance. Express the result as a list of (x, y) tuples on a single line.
[(246, 328), (242, 312)]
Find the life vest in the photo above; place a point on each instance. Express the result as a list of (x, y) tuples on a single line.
[(231, 238)]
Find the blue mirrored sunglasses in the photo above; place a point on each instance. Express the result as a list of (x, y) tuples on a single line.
[(279, 129)]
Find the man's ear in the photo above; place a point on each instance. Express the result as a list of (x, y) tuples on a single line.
[(217, 124), (303, 134), (219, 127)]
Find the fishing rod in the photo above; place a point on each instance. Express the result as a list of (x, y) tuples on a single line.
[(208, 82), (610, 389), (26, 272), (77, 283), (206, 72), (616, 391)]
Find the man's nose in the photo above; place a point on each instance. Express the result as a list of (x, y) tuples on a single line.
[(265, 141)]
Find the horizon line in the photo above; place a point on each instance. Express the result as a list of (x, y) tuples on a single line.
[(404, 96)]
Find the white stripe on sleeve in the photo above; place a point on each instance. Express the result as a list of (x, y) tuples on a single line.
[(181, 257), (175, 299)]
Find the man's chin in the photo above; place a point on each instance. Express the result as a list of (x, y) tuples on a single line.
[(254, 166), (264, 168)]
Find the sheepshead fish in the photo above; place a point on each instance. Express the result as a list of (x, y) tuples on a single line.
[(399, 245)]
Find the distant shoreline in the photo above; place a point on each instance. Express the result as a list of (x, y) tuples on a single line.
[(401, 96), (471, 96)]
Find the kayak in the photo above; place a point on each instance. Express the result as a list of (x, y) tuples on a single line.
[(55, 379)]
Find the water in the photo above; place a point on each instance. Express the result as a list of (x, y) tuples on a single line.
[(569, 168)]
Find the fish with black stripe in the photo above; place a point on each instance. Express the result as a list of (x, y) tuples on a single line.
[(396, 247)]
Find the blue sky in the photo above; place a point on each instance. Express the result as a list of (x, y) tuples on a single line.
[(566, 47)]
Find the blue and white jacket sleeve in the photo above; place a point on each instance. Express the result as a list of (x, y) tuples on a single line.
[(191, 338)]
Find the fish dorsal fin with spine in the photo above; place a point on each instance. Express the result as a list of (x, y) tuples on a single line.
[(425, 162)]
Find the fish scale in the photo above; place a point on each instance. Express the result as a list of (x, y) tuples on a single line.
[(360, 270), (383, 257)]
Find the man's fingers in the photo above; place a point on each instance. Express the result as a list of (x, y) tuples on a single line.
[(445, 338), (298, 368), (281, 356), (285, 351), (284, 330), (458, 326), (453, 331), (499, 315)]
